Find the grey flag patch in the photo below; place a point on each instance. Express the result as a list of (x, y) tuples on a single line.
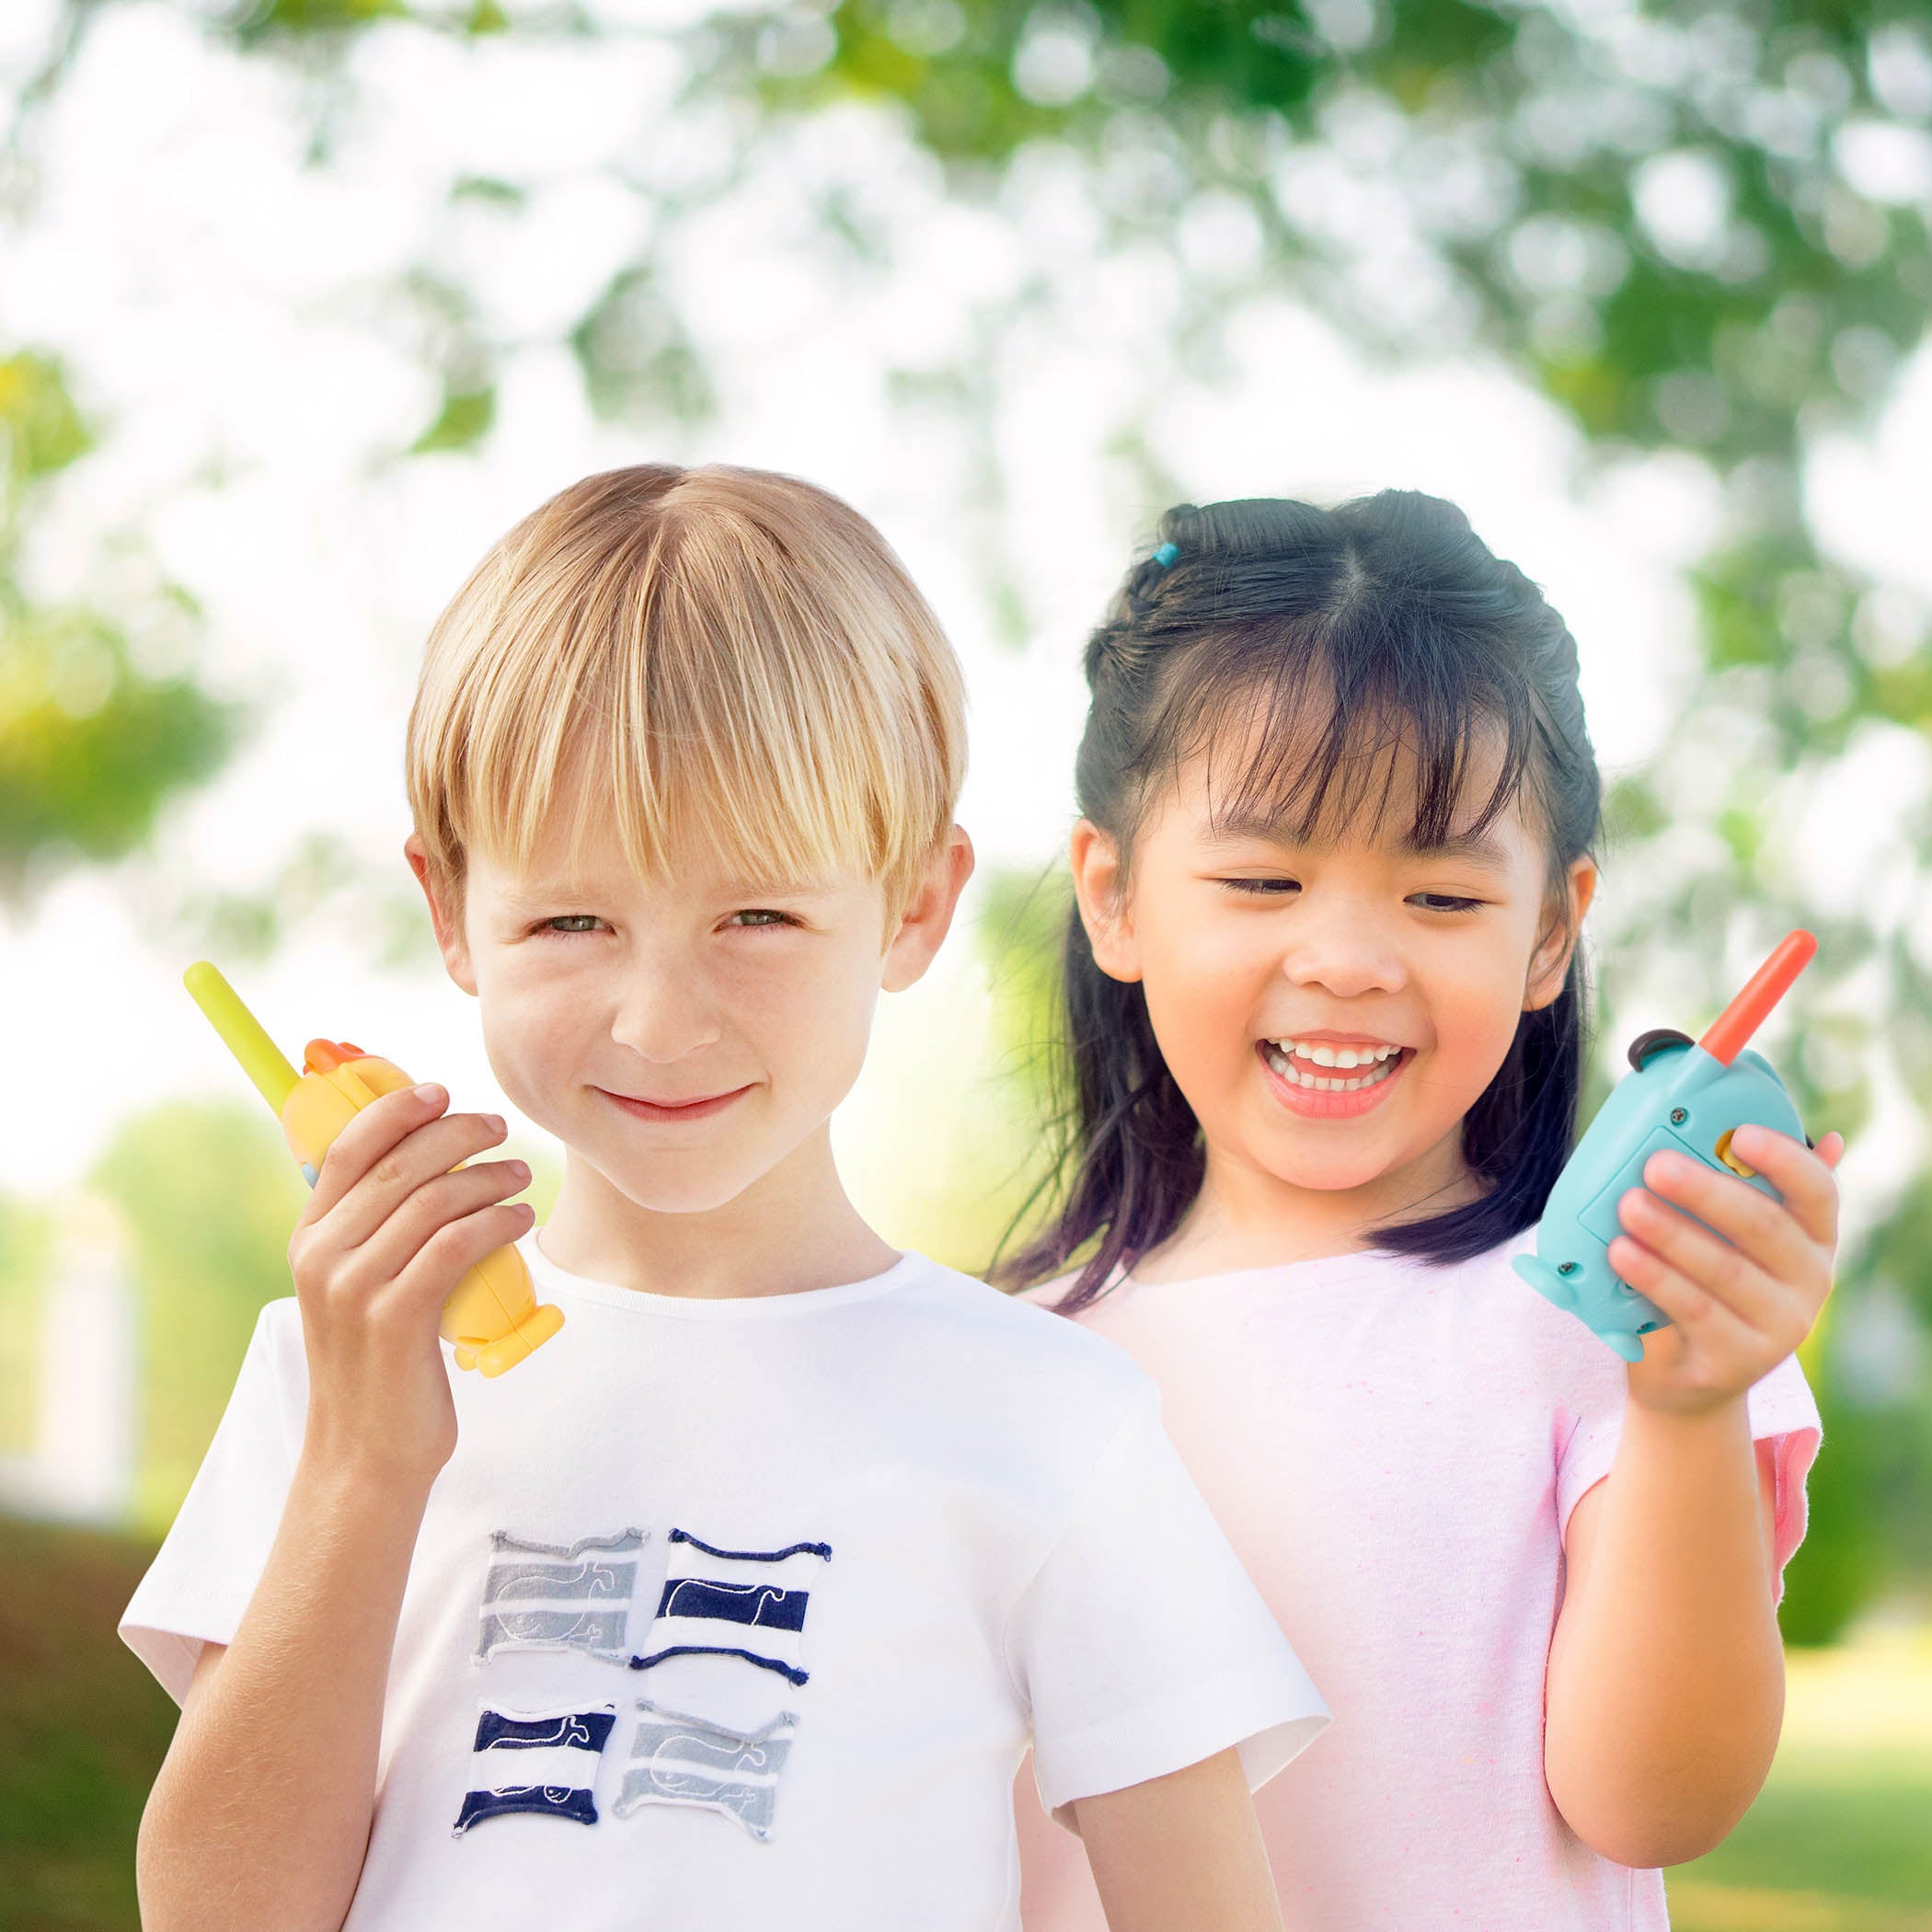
[(680, 1760), (547, 1596)]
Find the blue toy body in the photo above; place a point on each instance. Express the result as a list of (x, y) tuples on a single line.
[(1679, 1097)]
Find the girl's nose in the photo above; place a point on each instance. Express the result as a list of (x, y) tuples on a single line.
[(1345, 964)]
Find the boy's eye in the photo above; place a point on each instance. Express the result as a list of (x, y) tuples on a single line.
[(563, 924)]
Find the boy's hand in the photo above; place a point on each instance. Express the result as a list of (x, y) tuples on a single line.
[(1741, 1303), (386, 1234)]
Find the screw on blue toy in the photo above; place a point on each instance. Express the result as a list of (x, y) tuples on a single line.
[(1687, 1096)]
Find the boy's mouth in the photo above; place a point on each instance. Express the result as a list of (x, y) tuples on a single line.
[(699, 1109)]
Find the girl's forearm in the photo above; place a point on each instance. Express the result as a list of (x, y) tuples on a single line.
[(1181, 1853), (260, 1813), (1665, 1689)]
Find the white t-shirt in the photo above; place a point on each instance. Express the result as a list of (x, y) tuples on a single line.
[(741, 1612)]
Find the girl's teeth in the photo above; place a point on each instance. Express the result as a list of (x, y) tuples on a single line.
[(1336, 1056), (1286, 1065)]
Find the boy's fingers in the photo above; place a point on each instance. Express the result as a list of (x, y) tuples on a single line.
[(387, 1120)]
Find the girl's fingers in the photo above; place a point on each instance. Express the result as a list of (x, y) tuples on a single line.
[(1800, 1173), (1712, 1265), (1764, 1229), (1700, 1315)]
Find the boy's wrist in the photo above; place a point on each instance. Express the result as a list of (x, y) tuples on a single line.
[(341, 1476)]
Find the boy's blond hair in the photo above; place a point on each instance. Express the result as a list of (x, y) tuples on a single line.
[(724, 658)]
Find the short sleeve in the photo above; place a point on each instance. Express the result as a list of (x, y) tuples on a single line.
[(1781, 1410), (1141, 1646), (199, 1582)]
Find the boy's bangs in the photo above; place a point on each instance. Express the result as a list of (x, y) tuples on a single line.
[(1300, 733), (719, 667), (793, 806)]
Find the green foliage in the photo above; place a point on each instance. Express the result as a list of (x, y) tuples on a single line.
[(1021, 931), (209, 1196), (1524, 145), (91, 750), (86, 1729), (463, 422), (1673, 220), (1843, 1560), (25, 1246), (638, 361), (41, 431)]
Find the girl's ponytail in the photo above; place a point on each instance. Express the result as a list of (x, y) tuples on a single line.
[(1393, 609)]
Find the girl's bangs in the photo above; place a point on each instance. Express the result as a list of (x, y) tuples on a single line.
[(1298, 733)]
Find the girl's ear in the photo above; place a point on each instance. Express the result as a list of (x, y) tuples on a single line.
[(1551, 959), (1097, 889)]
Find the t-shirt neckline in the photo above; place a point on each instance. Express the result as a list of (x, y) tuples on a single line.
[(551, 1279), (1346, 1267)]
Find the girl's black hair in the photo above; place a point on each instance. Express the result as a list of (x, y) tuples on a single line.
[(1391, 612)]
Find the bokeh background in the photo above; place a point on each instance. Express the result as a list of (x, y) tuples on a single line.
[(302, 301)]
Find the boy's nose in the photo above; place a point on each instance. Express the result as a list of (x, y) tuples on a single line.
[(664, 1018)]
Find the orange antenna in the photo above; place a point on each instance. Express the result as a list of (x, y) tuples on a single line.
[(1732, 1029), (322, 1056)]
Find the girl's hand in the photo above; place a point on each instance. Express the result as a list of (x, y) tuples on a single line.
[(1741, 1303), (388, 1232)]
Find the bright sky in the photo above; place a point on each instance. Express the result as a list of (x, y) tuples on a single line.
[(216, 303)]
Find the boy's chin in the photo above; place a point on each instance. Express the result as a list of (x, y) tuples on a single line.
[(692, 1183), (692, 1194)]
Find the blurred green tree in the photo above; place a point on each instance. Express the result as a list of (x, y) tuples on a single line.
[(208, 1197), (1694, 225), (91, 748)]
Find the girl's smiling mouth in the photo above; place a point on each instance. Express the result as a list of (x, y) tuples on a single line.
[(1323, 1088)]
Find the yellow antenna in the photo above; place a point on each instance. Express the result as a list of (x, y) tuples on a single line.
[(243, 1034)]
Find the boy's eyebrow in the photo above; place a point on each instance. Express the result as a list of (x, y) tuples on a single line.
[(1475, 849), (529, 895)]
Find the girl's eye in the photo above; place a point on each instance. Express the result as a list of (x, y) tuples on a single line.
[(1281, 888)]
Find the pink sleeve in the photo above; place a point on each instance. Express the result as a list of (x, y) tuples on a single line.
[(1781, 1410)]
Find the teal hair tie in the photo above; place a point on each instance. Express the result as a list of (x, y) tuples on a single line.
[(1166, 554)]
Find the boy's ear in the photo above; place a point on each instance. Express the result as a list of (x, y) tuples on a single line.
[(450, 941), (1551, 959), (1096, 862), (928, 919)]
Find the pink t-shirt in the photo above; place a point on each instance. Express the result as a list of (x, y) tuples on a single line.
[(1394, 1451)]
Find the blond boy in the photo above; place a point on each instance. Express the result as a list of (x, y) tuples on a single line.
[(738, 1601)]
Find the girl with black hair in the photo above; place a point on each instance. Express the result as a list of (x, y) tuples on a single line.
[(1325, 1015)]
